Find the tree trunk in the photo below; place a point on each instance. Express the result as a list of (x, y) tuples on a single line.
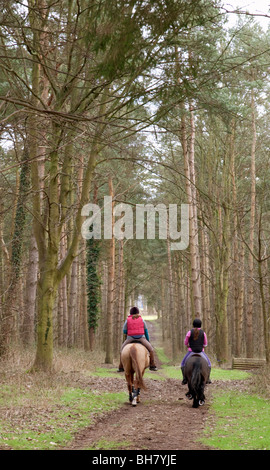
[(239, 284), (72, 300), (111, 280), (121, 298), (28, 329), (238, 257), (222, 258), (62, 300), (171, 302), (251, 236), (260, 261), (189, 166), (47, 288), (222, 290), (87, 337), (195, 254)]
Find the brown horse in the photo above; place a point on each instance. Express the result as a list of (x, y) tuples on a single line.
[(135, 359)]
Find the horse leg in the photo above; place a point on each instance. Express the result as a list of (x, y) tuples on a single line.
[(195, 402), (130, 393), (196, 396), (202, 396), (199, 400), (136, 393), (189, 394), (134, 396), (129, 385)]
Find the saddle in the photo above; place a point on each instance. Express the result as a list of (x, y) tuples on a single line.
[(139, 342), (197, 354)]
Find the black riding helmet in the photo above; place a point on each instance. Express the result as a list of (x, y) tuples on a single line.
[(134, 311), (197, 323)]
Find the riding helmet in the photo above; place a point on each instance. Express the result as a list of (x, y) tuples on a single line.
[(134, 311)]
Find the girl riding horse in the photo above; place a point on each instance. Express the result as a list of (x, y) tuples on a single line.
[(196, 340), (136, 330)]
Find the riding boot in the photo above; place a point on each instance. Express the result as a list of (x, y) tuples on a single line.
[(120, 367), (152, 361), (184, 381)]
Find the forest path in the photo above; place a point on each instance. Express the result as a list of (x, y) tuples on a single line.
[(164, 420)]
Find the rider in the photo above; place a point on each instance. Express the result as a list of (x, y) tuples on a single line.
[(136, 330), (196, 340)]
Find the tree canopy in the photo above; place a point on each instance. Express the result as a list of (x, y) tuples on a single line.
[(151, 102)]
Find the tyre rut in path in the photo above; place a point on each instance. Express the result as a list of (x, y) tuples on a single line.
[(164, 420)]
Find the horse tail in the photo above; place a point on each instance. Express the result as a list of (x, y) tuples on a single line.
[(137, 369), (195, 381)]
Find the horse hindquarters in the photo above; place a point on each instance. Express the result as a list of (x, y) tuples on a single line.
[(134, 359), (138, 366)]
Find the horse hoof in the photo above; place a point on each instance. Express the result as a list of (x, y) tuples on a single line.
[(134, 402), (201, 402)]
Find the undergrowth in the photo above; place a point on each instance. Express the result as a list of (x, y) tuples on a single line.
[(48, 427), (43, 411)]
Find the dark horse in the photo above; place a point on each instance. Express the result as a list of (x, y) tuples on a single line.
[(197, 374), (135, 359)]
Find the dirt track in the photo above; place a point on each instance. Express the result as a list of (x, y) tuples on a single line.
[(164, 420)]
